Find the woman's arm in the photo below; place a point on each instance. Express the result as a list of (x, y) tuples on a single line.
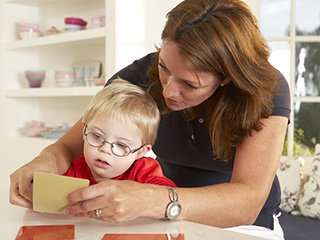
[(240, 201), (230, 204), (55, 158)]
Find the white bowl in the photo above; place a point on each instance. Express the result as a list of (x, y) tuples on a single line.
[(73, 27), (28, 35)]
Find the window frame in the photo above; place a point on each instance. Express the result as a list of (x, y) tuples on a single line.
[(292, 41)]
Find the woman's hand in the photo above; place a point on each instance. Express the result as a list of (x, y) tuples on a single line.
[(118, 201), (55, 158), (21, 180)]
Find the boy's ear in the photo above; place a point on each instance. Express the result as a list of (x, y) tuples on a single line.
[(146, 148)]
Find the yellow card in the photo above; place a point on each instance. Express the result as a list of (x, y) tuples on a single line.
[(50, 191)]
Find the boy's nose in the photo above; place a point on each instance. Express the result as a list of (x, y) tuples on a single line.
[(105, 148)]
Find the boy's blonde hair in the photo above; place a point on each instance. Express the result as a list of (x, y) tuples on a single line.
[(129, 103)]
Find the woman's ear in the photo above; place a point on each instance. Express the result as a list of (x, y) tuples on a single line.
[(146, 148), (225, 82)]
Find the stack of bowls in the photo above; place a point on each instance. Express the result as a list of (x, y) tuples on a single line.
[(74, 24), (28, 30), (64, 78)]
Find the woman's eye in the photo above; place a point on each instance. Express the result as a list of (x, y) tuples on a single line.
[(190, 85), (162, 67)]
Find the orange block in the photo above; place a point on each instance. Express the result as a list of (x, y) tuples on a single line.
[(46, 232), (143, 236)]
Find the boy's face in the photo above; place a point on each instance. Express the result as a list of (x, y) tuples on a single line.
[(101, 160)]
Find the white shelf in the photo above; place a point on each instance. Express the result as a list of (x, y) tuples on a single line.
[(28, 2), (33, 2), (84, 35), (53, 92)]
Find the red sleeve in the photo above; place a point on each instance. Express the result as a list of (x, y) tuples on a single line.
[(71, 172), (148, 170)]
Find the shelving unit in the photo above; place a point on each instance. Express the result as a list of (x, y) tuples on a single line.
[(132, 30), (50, 104)]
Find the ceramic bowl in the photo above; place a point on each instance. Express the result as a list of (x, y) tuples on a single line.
[(64, 78), (35, 78), (27, 30), (28, 35), (75, 21), (72, 27)]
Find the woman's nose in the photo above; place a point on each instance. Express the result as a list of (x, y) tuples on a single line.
[(170, 88)]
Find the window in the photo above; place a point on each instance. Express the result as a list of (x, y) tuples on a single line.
[(292, 29)]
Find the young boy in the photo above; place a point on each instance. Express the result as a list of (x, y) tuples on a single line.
[(121, 124)]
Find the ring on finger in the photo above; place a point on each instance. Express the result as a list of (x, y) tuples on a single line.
[(98, 212)]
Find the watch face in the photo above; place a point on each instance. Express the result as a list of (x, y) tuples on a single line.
[(174, 209)]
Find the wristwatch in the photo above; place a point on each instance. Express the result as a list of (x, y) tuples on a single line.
[(173, 208)]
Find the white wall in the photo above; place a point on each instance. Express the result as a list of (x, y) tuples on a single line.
[(138, 25)]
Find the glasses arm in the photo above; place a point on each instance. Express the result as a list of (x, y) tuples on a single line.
[(137, 149)]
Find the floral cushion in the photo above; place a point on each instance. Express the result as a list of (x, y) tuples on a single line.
[(289, 175), (309, 198)]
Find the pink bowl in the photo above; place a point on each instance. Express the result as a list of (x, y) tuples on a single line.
[(35, 77), (75, 21)]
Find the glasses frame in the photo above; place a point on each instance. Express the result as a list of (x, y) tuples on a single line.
[(85, 133)]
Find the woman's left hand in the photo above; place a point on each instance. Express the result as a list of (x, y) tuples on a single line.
[(115, 201)]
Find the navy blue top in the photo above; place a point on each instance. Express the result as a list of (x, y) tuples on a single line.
[(184, 148)]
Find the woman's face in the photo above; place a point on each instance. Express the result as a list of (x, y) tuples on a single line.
[(182, 86)]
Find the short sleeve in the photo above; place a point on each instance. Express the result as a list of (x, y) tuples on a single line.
[(137, 72), (281, 99)]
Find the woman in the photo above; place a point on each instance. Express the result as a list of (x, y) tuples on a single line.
[(225, 113)]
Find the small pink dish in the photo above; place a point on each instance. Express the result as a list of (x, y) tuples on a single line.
[(75, 21)]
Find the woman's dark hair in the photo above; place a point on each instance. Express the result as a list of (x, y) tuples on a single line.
[(222, 37)]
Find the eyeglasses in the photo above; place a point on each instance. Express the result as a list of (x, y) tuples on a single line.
[(117, 149)]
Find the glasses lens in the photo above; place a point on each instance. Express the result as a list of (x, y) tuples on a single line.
[(120, 150), (94, 139)]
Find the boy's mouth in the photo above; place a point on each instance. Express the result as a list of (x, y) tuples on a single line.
[(101, 164)]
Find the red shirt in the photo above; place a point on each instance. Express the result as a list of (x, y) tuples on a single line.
[(143, 170)]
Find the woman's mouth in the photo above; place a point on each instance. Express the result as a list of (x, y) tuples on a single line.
[(172, 101), (101, 164)]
